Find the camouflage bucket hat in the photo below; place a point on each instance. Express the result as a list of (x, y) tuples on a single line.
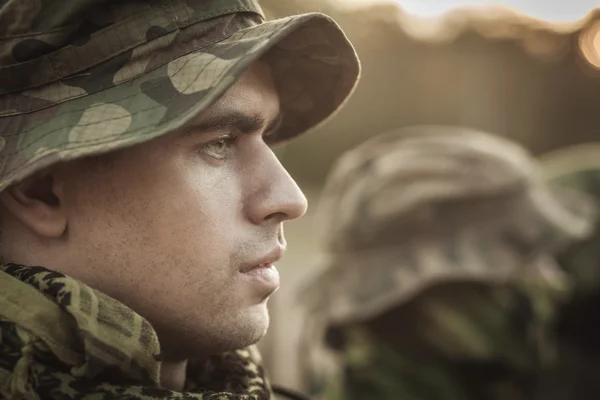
[(81, 77), (428, 205)]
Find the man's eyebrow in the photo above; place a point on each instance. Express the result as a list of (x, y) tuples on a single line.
[(234, 121)]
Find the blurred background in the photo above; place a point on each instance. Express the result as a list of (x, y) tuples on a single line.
[(525, 69)]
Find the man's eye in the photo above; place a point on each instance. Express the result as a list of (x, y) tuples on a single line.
[(219, 148)]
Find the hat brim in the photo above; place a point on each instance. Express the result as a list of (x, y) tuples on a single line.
[(363, 284), (314, 66), (349, 294)]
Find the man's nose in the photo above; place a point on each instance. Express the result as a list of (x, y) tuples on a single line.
[(275, 196)]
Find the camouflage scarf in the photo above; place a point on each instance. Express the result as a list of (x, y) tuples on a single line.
[(60, 339)]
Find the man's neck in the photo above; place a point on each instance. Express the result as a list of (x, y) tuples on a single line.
[(173, 374)]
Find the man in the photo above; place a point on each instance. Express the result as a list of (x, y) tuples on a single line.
[(441, 279), (141, 203)]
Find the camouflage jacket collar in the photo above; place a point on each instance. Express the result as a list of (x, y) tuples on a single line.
[(59, 338)]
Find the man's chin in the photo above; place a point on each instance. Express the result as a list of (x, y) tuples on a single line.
[(250, 328), (246, 329), (258, 321)]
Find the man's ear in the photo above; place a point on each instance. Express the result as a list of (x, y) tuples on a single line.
[(37, 202)]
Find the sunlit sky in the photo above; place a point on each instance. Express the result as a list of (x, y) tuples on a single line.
[(550, 10)]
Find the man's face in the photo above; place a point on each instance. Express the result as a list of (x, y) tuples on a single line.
[(175, 228)]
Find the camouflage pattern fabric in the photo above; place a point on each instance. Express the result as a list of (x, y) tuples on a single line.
[(431, 204), (82, 77), (460, 341), (439, 278), (578, 168), (60, 339)]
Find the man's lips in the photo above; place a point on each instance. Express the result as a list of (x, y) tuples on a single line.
[(262, 274), (266, 261)]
